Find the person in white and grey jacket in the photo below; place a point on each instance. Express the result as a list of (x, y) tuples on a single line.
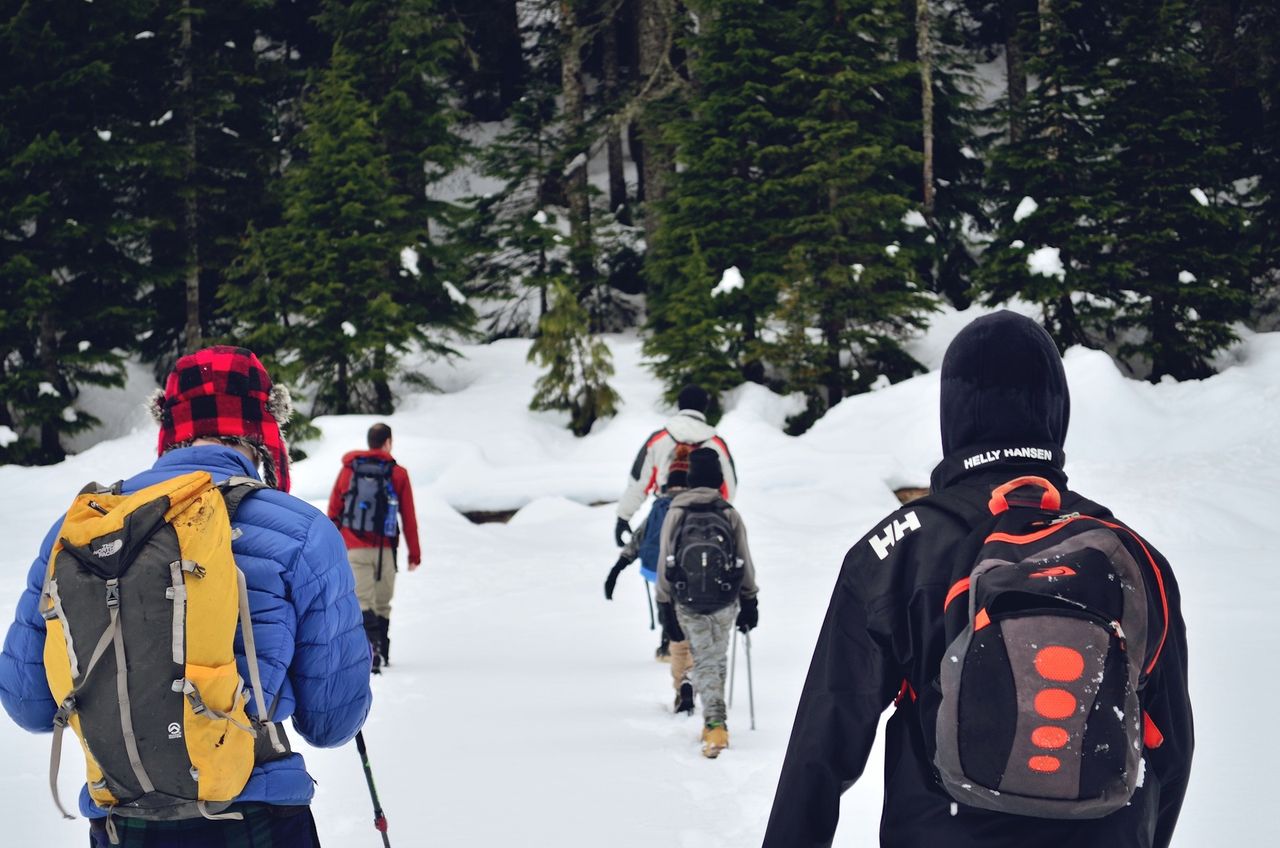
[(649, 472)]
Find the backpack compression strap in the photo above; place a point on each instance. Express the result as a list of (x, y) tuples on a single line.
[(113, 635)]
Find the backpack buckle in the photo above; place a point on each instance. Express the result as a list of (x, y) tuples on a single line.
[(63, 716), (113, 593), (193, 567)]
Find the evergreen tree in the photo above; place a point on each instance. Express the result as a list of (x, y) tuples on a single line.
[(1180, 235), (944, 249), (1253, 102), (688, 338), (847, 277), (578, 364), (70, 265), (798, 170), (1063, 164), (216, 78), (401, 52), (517, 234), (1134, 182), (719, 204), (331, 295)]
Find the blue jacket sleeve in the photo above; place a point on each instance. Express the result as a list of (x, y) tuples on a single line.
[(331, 660), (24, 689)]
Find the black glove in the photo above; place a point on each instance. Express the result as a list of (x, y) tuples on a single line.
[(748, 615), (670, 624), (612, 579), (618, 529)]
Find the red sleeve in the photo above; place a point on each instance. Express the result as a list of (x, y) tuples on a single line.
[(408, 518), (340, 487)]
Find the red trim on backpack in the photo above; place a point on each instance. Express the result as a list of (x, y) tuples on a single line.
[(1151, 735), (957, 590), (1164, 599), (981, 620), (904, 691), (1030, 537), (1050, 500)]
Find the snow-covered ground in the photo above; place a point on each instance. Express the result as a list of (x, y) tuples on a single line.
[(524, 709)]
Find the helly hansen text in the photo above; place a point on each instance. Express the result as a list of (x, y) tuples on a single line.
[(1007, 453), (893, 532)]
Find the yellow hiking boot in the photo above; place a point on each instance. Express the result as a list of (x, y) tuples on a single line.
[(715, 738)]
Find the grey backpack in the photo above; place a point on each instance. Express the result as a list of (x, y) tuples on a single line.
[(1048, 649)]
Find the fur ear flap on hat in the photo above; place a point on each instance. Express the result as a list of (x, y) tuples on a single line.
[(155, 405), (280, 404)]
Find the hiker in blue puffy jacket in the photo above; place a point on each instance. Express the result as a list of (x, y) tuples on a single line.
[(220, 414)]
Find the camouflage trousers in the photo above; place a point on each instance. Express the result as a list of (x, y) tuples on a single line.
[(708, 635)]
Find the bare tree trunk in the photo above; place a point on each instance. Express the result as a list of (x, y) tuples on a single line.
[(637, 156), (924, 50), (657, 160), (193, 335), (1015, 68), (575, 117), (613, 145), (50, 439), (342, 390)]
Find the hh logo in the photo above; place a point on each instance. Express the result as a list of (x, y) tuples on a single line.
[(893, 533), (175, 731), (1056, 571)]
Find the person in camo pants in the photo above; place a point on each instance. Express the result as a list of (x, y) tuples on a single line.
[(706, 635)]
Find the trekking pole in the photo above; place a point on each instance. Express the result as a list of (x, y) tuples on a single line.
[(751, 694), (649, 595), (733, 666), (379, 819)]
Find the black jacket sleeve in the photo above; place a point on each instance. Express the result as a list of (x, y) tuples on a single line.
[(1167, 702), (852, 678)]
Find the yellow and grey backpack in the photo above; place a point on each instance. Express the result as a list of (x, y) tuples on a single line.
[(141, 601)]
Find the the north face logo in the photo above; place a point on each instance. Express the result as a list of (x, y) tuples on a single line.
[(109, 549)]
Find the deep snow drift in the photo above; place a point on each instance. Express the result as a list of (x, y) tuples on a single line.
[(524, 709)]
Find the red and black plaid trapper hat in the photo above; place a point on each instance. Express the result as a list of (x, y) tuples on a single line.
[(223, 392)]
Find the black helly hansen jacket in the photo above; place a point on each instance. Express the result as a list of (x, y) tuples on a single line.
[(883, 635)]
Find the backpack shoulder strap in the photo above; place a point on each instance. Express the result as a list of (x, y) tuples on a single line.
[(96, 488), (236, 489)]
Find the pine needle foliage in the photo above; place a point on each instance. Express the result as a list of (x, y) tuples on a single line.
[(326, 293), (1133, 183), (578, 364)]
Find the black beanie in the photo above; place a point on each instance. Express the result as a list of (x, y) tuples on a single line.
[(704, 469), (677, 479), (693, 397), (1002, 382)]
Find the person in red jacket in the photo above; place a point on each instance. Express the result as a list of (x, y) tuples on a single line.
[(370, 493)]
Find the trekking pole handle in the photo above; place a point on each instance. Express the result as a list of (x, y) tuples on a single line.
[(1050, 500)]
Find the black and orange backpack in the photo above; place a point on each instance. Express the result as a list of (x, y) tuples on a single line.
[(1051, 631)]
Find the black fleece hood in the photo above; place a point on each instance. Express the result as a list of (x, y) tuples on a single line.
[(1002, 382)]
